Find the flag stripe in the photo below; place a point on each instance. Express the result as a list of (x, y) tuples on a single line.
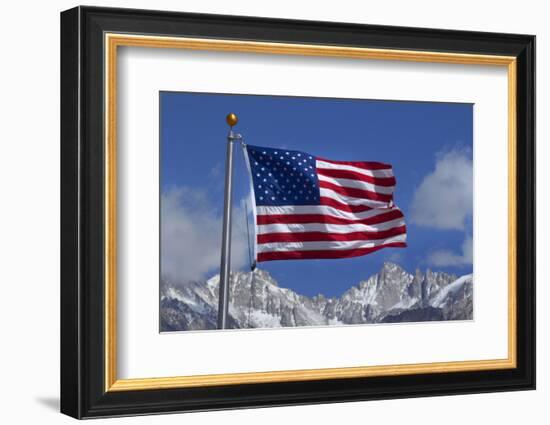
[(327, 228), (324, 245), (318, 209), (325, 254), (323, 236), (327, 219), (357, 184), (366, 165), (350, 200), (352, 175), (321, 163), (326, 201), (355, 193)]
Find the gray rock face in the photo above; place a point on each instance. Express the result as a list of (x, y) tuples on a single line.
[(256, 301)]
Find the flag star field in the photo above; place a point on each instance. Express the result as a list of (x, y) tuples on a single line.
[(283, 177)]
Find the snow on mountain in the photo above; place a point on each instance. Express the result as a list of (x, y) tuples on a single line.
[(459, 287), (257, 301)]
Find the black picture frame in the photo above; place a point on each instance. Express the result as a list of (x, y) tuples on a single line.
[(83, 392)]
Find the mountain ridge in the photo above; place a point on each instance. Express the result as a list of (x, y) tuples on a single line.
[(257, 301)]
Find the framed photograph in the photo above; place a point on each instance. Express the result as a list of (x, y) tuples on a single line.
[(261, 212)]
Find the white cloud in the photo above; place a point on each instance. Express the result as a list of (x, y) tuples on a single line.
[(395, 257), (191, 236), (216, 171), (444, 199), (445, 257)]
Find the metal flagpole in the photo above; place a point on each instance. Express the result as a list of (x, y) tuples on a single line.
[(225, 267)]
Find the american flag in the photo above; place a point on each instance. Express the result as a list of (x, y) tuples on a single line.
[(308, 207)]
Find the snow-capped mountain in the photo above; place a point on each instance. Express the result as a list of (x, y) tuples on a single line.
[(256, 301)]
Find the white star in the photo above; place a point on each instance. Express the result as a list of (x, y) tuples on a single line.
[(299, 154), (273, 198), (261, 198)]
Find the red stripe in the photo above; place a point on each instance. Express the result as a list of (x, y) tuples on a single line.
[(337, 237), (329, 202), (352, 175), (356, 193), (360, 164), (327, 219), (324, 254)]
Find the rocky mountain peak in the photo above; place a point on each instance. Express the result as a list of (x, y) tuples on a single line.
[(389, 267)]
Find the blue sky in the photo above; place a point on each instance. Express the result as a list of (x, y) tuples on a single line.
[(428, 144)]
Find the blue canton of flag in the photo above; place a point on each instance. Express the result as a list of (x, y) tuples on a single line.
[(283, 177)]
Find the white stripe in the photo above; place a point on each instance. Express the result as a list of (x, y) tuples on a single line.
[(352, 200), (319, 209), (357, 184), (328, 228), (326, 245), (388, 172)]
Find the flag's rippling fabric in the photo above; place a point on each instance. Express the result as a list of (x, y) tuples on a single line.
[(309, 207)]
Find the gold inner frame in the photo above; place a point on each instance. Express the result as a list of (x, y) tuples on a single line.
[(113, 41)]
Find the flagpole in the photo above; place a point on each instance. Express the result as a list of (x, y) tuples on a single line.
[(225, 267)]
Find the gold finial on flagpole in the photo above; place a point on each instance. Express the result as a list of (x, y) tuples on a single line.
[(231, 119)]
